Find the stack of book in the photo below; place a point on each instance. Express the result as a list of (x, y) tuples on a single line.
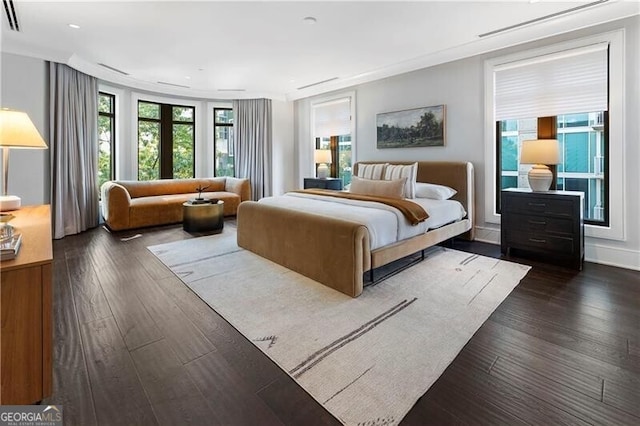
[(10, 246)]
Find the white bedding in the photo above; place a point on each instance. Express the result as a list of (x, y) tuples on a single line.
[(386, 224)]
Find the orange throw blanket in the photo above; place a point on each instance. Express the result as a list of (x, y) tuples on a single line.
[(412, 211)]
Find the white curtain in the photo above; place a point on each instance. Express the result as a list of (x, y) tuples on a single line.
[(74, 150), (253, 144)]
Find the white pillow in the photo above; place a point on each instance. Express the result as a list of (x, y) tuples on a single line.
[(434, 191), (371, 171), (409, 171)]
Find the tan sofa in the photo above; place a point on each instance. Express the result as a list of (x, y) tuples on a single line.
[(136, 204)]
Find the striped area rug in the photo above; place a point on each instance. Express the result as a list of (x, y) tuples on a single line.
[(368, 359)]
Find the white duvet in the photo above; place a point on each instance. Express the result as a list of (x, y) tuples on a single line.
[(386, 224)]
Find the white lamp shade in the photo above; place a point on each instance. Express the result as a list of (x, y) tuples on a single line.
[(322, 156), (17, 131), (540, 151)]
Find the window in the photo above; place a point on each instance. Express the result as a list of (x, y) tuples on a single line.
[(332, 131), (561, 96), (166, 139), (223, 143), (106, 137), (340, 147), (583, 153)]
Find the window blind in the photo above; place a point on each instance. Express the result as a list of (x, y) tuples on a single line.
[(332, 118), (570, 81)]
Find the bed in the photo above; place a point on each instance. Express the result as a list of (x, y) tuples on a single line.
[(336, 247)]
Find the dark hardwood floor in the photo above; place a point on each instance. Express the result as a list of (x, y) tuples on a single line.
[(134, 346)]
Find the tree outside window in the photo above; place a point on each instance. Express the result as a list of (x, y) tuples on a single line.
[(166, 139), (106, 137)]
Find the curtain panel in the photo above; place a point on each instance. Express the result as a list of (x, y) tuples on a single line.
[(74, 150), (253, 144)]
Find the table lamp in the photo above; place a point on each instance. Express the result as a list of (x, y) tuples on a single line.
[(322, 156), (540, 153), (16, 131)]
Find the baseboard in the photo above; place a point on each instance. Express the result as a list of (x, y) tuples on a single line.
[(612, 256), (596, 253), (487, 235)]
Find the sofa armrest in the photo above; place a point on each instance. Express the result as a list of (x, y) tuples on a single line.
[(242, 187), (115, 205)]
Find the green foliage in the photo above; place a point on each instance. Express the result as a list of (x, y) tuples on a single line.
[(148, 110), (182, 151), (104, 149), (105, 104), (148, 150), (183, 114)]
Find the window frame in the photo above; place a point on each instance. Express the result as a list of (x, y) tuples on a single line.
[(217, 124), (165, 150), (112, 119), (617, 205), (308, 165)]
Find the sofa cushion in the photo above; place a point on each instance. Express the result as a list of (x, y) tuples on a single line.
[(152, 188)]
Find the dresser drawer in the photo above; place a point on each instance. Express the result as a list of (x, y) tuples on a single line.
[(546, 243), (328, 183), (541, 205), (540, 224), (313, 183)]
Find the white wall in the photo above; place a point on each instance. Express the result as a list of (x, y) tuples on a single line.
[(459, 85), (25, 87)]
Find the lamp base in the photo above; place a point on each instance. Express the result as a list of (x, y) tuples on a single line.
[(9, 202), (323, 171), (540, 178)]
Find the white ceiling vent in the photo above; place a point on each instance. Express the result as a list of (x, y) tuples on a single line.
[(113, 69), (11, 15)]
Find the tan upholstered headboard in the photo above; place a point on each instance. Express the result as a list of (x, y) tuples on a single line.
[(458, 175)]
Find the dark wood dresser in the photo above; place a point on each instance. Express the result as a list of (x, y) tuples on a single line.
[(549, 224), (327, 183)]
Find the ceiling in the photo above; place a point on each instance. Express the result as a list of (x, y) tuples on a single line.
[(242, 49)]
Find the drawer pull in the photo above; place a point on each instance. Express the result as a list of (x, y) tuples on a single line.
[(536, 240), (537, 222), (538, 204)]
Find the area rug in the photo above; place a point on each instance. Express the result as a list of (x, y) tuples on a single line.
[(368, 359)]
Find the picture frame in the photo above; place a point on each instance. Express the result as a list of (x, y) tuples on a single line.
[(411, 128)]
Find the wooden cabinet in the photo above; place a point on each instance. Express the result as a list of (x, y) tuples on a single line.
[(26, 303), (545, 223), (328, 183)]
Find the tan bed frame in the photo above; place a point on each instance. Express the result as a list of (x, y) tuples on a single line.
[(336, 252)]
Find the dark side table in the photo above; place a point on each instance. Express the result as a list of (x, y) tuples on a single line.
[(326, 183), (203, 217)]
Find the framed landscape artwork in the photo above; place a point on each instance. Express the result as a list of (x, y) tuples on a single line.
[(411, 128)]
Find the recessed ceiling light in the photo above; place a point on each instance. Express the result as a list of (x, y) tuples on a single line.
[(309, 20), (187, 77), (74, 26)]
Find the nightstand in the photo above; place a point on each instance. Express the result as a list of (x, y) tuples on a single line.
[(544, 223), (328, 183)]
